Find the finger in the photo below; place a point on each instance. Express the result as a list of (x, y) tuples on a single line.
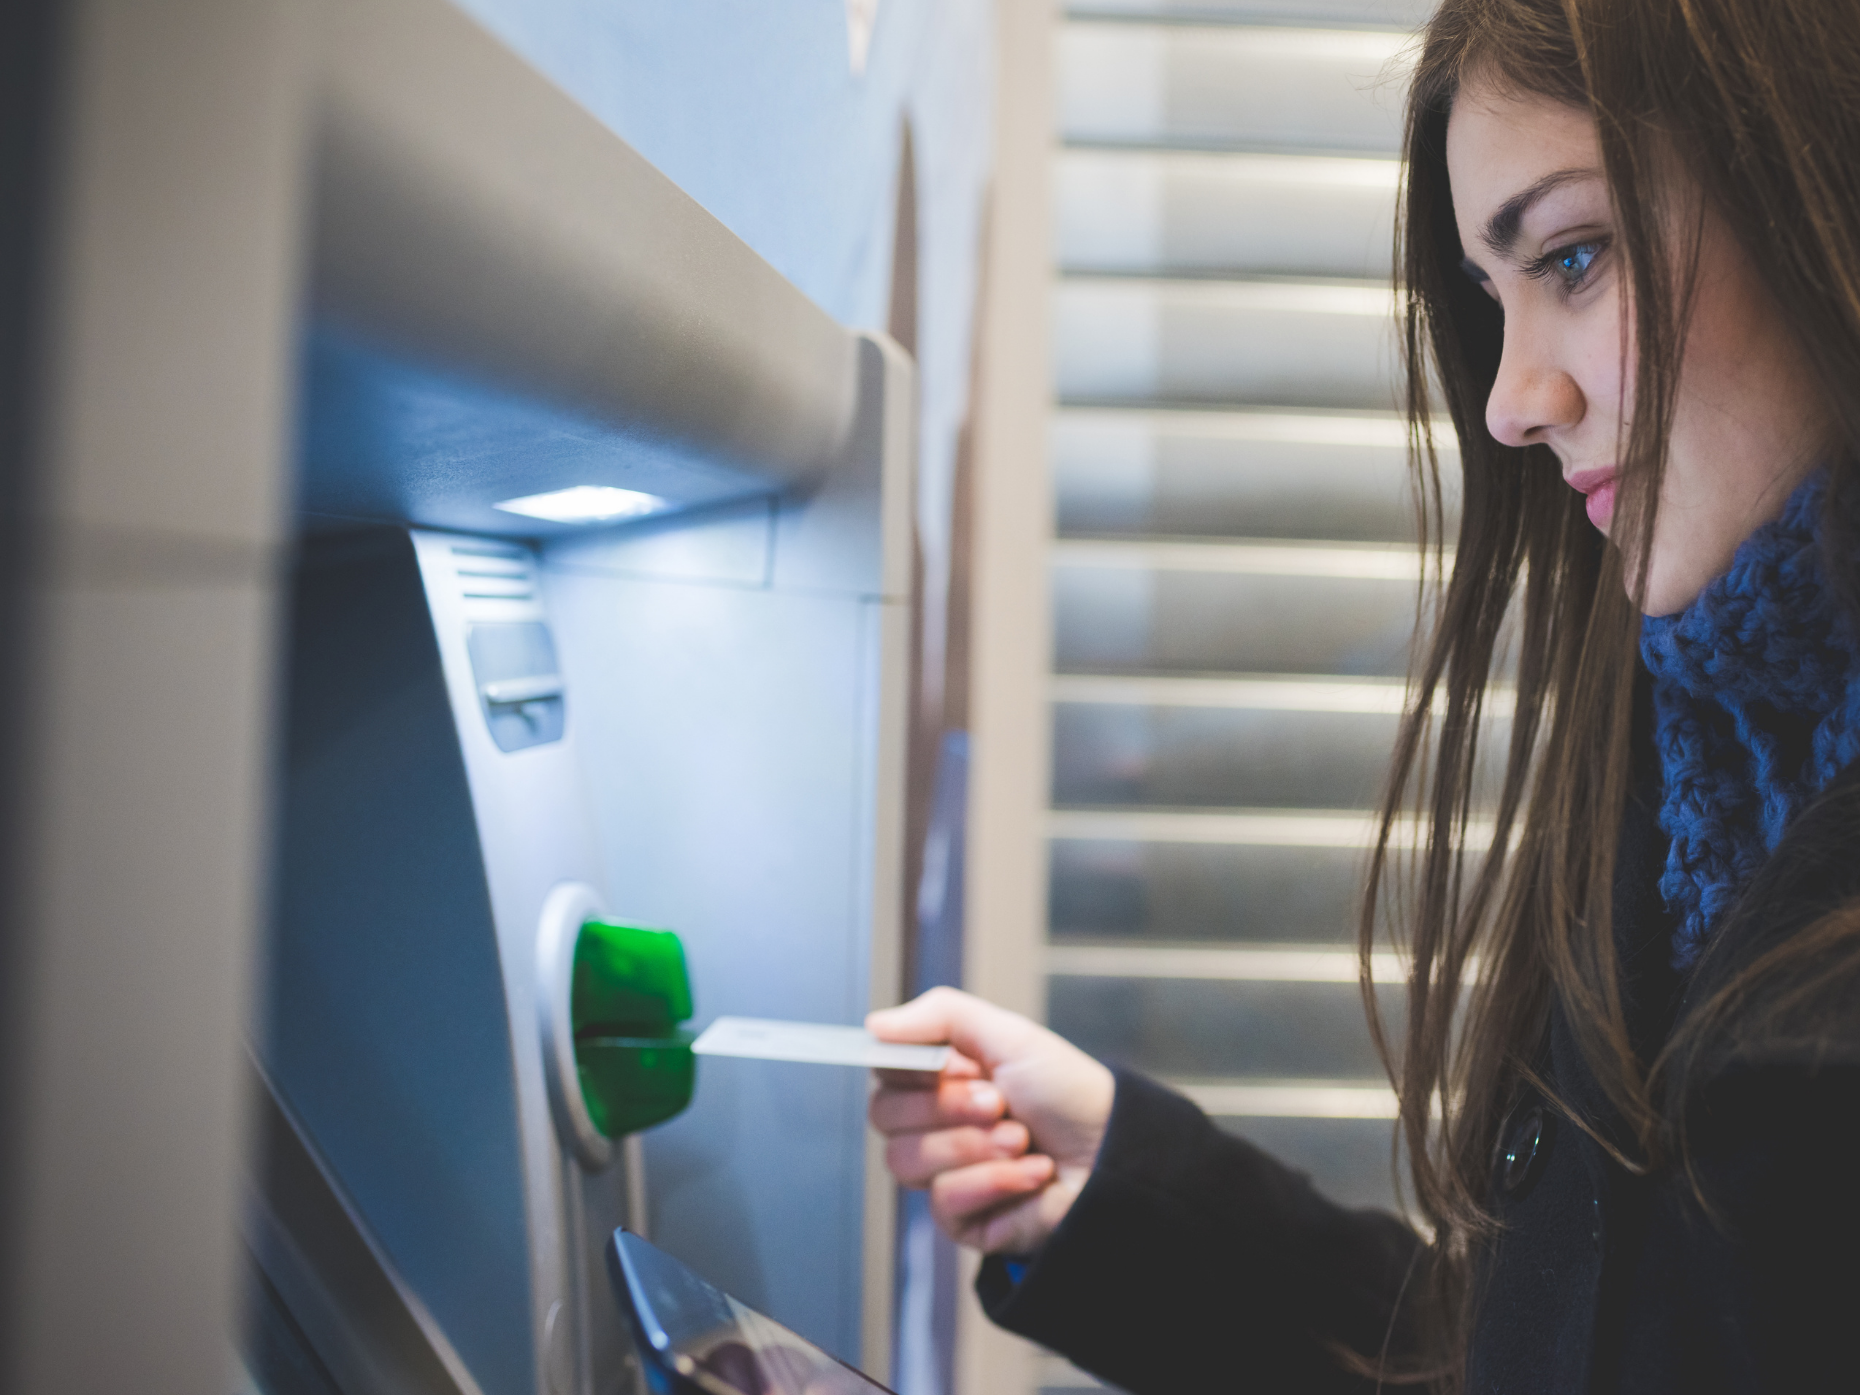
[(958, 1067), (916, 1158), (960, 1198), (1021, 1227), (981, 1031), (951, 1104)]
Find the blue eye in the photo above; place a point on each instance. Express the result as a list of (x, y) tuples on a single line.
[(1571, 264)]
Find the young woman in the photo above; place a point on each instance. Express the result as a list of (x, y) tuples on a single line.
[(1629, 1071)]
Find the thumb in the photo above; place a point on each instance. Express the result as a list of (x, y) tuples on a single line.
[(979, 1030)]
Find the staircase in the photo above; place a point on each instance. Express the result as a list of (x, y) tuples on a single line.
[(1233, 600)]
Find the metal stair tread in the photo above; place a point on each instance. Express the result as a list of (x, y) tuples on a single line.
[(1191, 145), (1167, 210), (1320, 169), (1316, 1098), (1269, 691), (1287, 692), (1368, 561), (1224, 86), (1340, 426), (1250, 962), (1250, 825), (1396, 18), (1263, 291)]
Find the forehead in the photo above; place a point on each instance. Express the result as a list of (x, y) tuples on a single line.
[(1499, 143)]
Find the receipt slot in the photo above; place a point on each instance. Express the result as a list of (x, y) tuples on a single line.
[(613, 996)]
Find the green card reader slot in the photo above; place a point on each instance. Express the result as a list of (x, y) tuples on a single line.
[(610, 1002), (629, 991)]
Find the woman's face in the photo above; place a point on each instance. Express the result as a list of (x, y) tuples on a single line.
[(1539, 234)]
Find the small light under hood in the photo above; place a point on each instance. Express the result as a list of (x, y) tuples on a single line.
[(585, 503)]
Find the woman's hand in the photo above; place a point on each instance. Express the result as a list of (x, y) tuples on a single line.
[(1005, 1137)]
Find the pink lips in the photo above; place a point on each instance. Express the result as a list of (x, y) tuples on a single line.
[(1599, 485)]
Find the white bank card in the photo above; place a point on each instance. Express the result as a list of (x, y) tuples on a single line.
[(764, 1039)]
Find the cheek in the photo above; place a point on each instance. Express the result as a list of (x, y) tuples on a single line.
[(1600, 354)]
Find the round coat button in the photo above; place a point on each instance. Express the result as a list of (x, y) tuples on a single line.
[(1524, 1151)]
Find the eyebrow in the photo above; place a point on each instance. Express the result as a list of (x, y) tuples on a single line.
[(1501, 229)]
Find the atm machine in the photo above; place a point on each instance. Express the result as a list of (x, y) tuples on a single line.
[(598, 647)]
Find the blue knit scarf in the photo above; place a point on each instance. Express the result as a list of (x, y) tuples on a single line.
[(1756, 701)]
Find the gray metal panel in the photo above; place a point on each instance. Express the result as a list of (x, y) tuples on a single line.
[(745, 762), (30, 82), (727, 778), (320, 1283), (385, 437), (469, 213), (160, 356), (386, 1029), (536, 833)]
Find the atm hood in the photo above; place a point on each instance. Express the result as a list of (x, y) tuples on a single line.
[(507, 299)]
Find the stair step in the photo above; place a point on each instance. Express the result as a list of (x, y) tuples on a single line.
[(1242, 963), (1199, 608), (1214, 1027), (1291, 1099), (1274, 692), (1230, 86), (1106, 754), (1246, 557), (1248, 827), (1251, 473), (1230, 740), (1133, 888), (1192, 212), (1134, 341), (1394, 14)]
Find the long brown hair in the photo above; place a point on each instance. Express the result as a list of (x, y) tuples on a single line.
[(1749, 109)]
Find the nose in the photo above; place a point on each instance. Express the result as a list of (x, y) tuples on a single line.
[(1532, 396)]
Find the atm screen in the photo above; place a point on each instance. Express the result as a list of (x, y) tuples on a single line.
[(704, 1340)]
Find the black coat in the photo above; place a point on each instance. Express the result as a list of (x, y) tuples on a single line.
[(1192, 1261)]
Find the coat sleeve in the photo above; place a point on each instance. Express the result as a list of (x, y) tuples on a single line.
[(1192, 1260)]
